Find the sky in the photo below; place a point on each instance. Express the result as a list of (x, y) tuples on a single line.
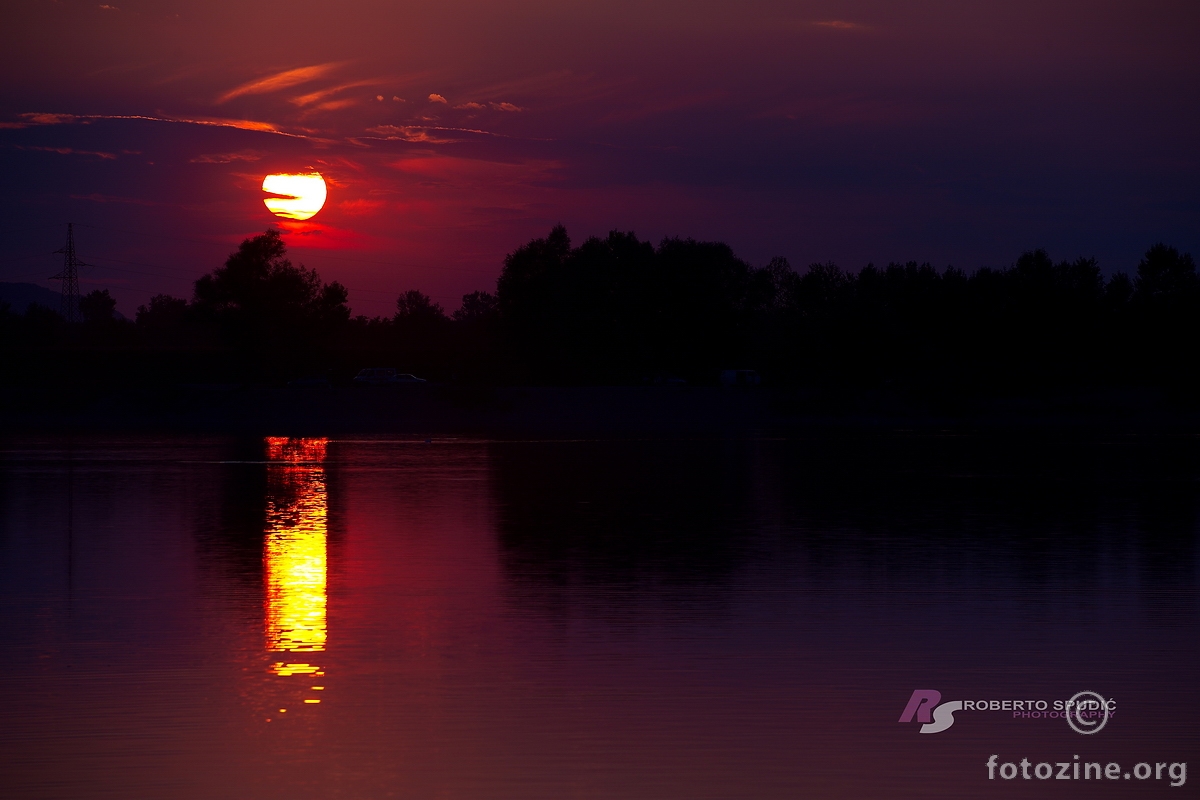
[(959, 133)]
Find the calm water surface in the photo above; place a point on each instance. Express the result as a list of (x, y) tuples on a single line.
[(310, 618)]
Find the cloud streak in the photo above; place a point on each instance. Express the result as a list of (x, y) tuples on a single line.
[(226, 158), (69, 151), (840, 25), (38, 118), (473, 106), (409, 133), (279, 81), (303, 100), (421, 133)]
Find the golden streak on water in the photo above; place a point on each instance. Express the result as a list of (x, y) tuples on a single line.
[(296, 451), (296, 552), (280, 668)]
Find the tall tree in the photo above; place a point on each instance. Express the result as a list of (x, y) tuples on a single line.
[(97, 306), (264, 305), (1164, 273)]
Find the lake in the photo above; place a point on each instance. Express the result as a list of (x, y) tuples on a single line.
[(205, 617)]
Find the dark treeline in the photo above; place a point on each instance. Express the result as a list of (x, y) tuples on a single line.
[(618, 310)]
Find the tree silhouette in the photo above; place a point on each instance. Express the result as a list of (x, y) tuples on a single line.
[(419, 332), (166, 322), (163, 313), (1165, 274), (97, 306), (276, 315), (415, 307), (477, 307), (617, 309), (524, 282), (1165, 319), (260, 288)]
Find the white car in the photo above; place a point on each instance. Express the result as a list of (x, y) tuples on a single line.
[(384, 376)]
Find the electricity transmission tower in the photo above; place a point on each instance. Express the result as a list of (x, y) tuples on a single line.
[(69, 305)]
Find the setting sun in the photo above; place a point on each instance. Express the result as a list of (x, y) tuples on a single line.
[(294, 195)]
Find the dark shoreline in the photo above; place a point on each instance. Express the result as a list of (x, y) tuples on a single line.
[(566, 411)]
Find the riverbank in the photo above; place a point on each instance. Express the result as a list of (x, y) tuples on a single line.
[(563, 411)]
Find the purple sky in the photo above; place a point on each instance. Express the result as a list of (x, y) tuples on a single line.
[(954, 132)]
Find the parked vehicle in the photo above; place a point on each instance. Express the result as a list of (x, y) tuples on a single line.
[(385, 376), (740, 377)]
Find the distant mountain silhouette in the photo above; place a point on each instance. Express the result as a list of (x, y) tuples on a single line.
[(20, 296)]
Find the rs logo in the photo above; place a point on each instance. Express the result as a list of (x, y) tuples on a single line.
[(924, 706)]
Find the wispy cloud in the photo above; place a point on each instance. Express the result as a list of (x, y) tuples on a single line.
[(409, 133), (218, 122), (319, 95), (331, 105), (226, 158), (437, 98), (434, 134), (38, 118), (69, 151), (473, 106), (279, 80), (840, 25)]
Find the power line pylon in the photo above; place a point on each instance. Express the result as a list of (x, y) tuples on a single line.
[(69, 304)]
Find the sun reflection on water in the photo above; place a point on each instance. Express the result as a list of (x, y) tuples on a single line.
[(296, 556)]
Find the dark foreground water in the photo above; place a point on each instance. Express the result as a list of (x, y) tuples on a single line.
[(188, 618)]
